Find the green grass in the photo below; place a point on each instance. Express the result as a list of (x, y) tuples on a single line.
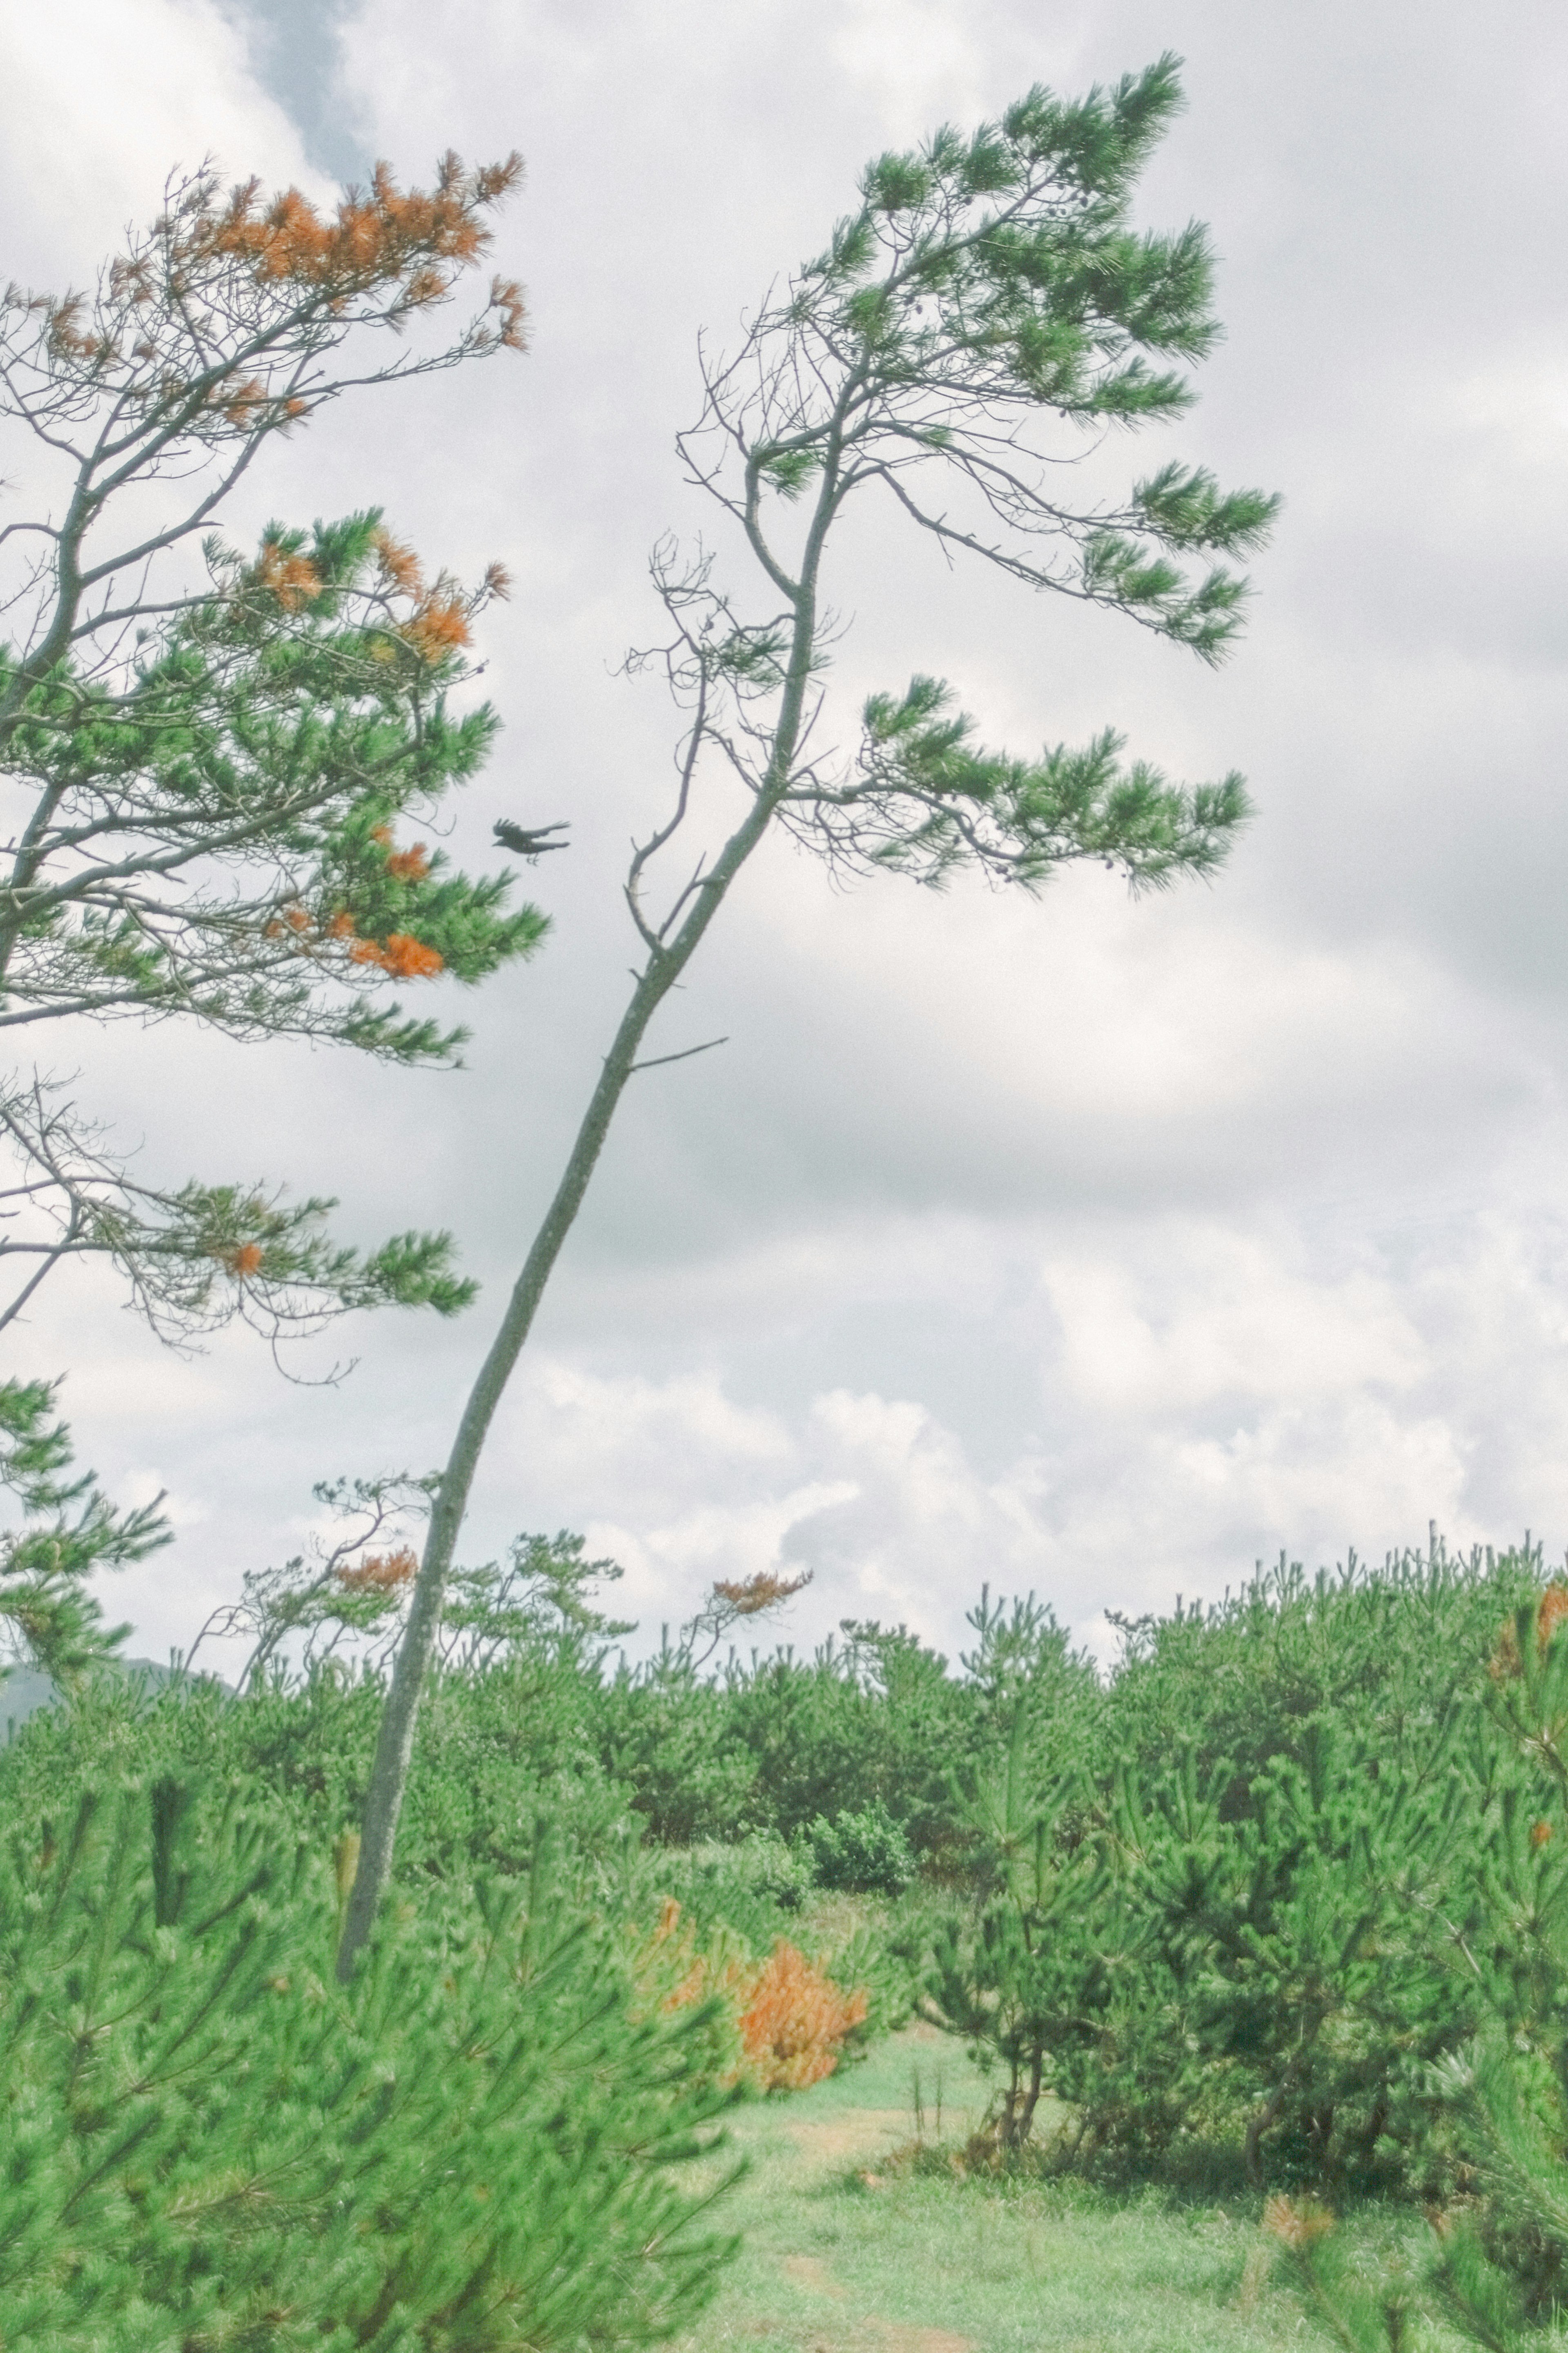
[(845, 2250)]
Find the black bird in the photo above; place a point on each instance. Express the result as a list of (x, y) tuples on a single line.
[(529, 843)]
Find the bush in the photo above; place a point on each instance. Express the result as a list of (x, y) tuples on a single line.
[(774, 2026), (1214, 1898), (206, 2142), (1236, 1899), (664, 1737), (795, 2022), (751, 1885), (773, 1742), (866, 1852), (498, 1748)]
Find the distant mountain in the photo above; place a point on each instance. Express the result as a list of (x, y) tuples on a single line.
[(24, 1690)]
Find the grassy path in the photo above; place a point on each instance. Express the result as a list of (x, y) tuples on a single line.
[(847, 2253)]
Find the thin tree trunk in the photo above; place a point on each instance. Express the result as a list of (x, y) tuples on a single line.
[(1032, 2097), (1258, 2124), (394, 1743)]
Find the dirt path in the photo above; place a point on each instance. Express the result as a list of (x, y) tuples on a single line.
[(850, 2242), (897, 2335), (838, 2140), (822, 2267), (827, 2143)]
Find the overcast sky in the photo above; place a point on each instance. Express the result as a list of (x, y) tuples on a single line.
[(1098, 1247)]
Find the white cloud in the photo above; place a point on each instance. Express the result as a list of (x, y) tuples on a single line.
[(140, 1488), (1237, 1322), (916, 60), (101, 101), (1093, 1247)]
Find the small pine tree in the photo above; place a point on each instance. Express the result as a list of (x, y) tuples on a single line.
[(69, 1531), (203, 2143), (1498, 2270)]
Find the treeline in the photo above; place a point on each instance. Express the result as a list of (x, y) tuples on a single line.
[(1280, 1901), (1233, 1895)]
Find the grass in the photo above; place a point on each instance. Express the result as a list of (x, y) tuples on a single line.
[(845, 2250)]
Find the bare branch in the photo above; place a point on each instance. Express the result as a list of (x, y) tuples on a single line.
[(658, 1061)]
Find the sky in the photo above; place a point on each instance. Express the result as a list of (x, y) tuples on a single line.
[(1079, 1245)]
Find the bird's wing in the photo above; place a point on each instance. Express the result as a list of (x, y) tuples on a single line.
[(527, 841)]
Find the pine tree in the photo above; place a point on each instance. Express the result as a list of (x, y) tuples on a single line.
[(985, 309), (204, 2143), (206, 770), (1498, 2272), (69, 1531)]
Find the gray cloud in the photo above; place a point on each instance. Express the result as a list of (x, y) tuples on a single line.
[(1096, 1246)]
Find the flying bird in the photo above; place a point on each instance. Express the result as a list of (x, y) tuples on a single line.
[(530, 842)]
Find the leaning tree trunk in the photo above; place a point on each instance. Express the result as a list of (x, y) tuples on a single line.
[(395, 1742)]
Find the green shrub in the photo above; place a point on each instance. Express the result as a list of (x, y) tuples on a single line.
[(496, 1749), (866, 1852), (1242, 1894), (761, 1863), (773, 1742), (1497, 2265), (664, 1735), (755, 1888), (1230, 1900), (205, 2142)]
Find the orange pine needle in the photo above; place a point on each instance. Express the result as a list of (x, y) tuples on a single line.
[(439, 625), (401, 955), (1551, 1612), (293, 579), (382, 1572), (795, 2021), (399, 564), (747, 1596)]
